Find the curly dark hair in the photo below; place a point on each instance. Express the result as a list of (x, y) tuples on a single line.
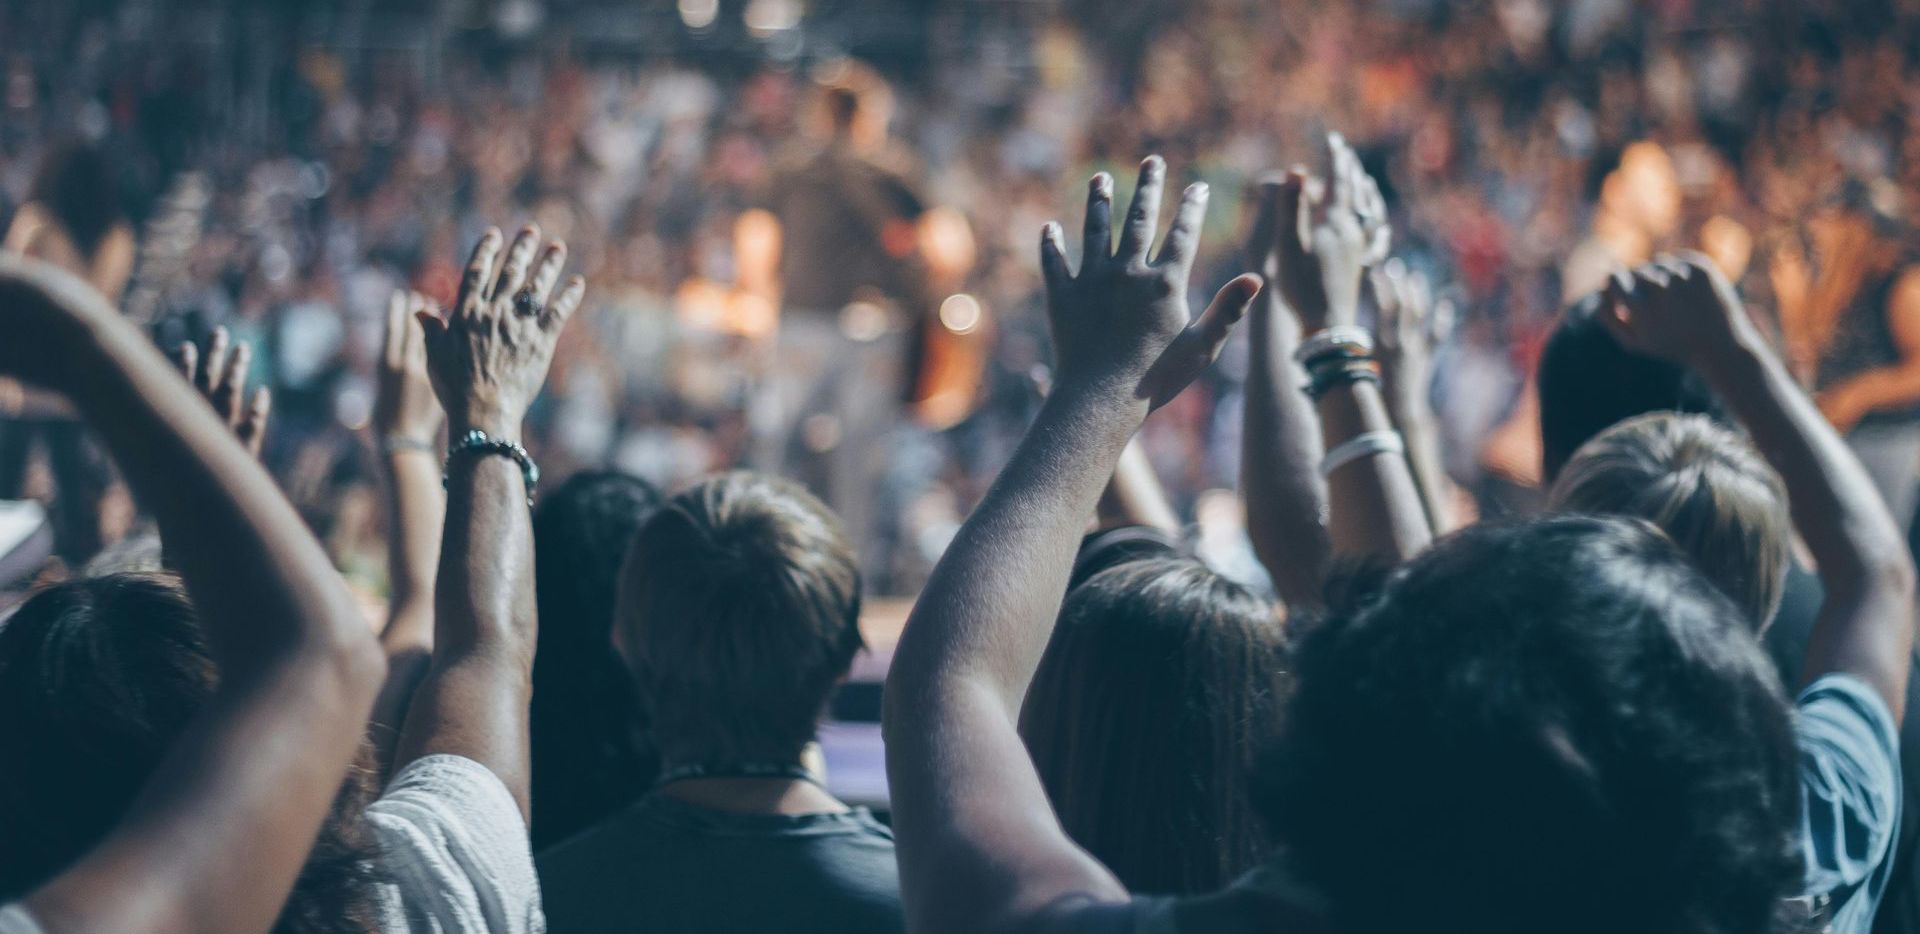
[(98, 676), (1553, 726)]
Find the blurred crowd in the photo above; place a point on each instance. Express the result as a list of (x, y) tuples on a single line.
[(1508, 136)]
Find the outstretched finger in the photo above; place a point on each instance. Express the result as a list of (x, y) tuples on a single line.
[(1098, 236), (252, 429), (1053, 256), (1144, 214), (564, 306), (228, 395), (213, 366), (1271, 205), (1229, 305), (1183, 238), (513, 272), (393, 342), (187, 358), (547, 274), (473, 283), (1343, 166)]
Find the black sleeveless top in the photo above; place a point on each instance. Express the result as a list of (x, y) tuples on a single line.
[(1863, 341)]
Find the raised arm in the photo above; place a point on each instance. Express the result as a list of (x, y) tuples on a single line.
[(1408, 333), (406, 426), (220, 831), (980, 849), (1280, 438), (487, 360), (1684, 310)]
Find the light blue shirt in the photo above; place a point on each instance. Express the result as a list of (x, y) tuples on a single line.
[(1850, 796)]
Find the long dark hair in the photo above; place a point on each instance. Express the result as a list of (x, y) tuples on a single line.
[(591, 753), (98, 676), (80, 190), (1162, 683)]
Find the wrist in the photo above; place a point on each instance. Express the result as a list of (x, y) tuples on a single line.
[(1744, 356), (497, 423)]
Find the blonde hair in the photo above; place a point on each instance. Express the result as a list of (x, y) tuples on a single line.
[(1703, 485)]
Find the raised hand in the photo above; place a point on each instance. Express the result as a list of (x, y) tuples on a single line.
[(1313, 237), (1122, 321), (1679, 308), (220, 374), (489, 357), (404, 407)]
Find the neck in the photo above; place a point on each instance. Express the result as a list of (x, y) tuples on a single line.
[(790, 796)]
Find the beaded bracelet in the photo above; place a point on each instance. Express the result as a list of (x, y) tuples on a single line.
[(1343, 341), (479, 442), (1327, 377)]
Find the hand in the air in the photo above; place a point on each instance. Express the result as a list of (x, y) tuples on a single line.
[(1678, 308), (220, 374), (488, 358), (404, 407), (1313, 237), (1122, 321)]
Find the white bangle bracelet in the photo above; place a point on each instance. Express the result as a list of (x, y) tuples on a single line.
[(1366, 445)]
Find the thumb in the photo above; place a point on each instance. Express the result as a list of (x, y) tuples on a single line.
[(1229, 305)]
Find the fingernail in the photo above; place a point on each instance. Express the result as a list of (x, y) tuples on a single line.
[(1197, 190), (1102, 183), (1152, 164)]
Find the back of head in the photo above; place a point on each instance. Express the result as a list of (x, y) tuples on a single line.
[(1162, 683), (739, 616), (98, 677), (1588, 383), (590, 754), (1701, 484), (1556, 726)]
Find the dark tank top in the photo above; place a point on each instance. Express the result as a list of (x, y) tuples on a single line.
[(1862, 341)]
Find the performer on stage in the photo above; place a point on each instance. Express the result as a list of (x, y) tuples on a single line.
[(1859, 332), (859, 263), (74, 218)]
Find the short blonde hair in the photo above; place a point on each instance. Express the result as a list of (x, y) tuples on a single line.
[(1703, 485)]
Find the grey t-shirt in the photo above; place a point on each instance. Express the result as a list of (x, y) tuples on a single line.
[(666, 867), (15, 920), (1851, 796)]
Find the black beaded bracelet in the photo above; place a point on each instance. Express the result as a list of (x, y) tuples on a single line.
[(479, 442), (1325, 379)]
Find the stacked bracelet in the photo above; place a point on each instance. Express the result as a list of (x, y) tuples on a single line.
[(1326, 377), (1338, 356), (1361, 446), (478, 442), (1342, 342)]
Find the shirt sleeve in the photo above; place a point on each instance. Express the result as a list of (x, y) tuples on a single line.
[(455, 846), (1850, 789), (15, 920)]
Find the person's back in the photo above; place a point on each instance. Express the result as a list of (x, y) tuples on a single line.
[(738, 615)]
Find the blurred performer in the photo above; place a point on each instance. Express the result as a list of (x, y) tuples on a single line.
[(73, 218), (858, 263), (1857, 333)]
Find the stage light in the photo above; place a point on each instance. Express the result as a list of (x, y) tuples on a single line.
[(699, 15), (960, 313)]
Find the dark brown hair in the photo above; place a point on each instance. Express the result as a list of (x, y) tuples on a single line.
[(739, 615), (1161, 686)]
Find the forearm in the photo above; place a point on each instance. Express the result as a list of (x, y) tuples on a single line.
[(1135, 497), (988, 609), (1406, 398), (416, 507), (969, 809), (243, 790), (1866, 624), (473, 700), (1280, 456), (1883, 388), (1380, 514)]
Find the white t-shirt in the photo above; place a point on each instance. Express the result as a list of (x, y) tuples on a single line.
[(454, 848)]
